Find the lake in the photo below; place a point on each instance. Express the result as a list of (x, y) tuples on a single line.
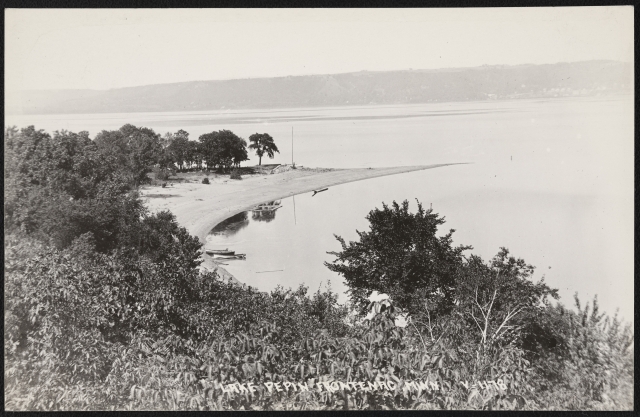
[(551, 180)]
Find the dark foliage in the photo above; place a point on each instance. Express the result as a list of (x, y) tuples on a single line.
[(162, 174), (178, 149), (222, 149), (263, 143), (136, 149), (61, 187), (401, 256)]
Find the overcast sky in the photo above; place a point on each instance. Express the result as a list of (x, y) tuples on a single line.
[(101, 49)]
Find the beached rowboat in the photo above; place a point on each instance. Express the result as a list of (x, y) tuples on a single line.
[(236, 256), (220, 252)]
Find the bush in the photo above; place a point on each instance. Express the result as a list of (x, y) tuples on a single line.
[(205, 180), (235, 175), (94, 327), (162, 174), (591, 365)]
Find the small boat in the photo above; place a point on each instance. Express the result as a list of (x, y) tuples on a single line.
[(219, 252), (266, 209), (319, 191), (271, 206), (236, 256)]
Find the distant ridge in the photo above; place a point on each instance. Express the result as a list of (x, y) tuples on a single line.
[(357, 88)]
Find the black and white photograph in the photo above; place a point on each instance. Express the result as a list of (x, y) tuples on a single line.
[(319, 209)]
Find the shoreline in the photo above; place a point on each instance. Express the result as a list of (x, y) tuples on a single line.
[(200, 207)]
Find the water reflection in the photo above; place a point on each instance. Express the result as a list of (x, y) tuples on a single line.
[(266, 212), (232, 225)]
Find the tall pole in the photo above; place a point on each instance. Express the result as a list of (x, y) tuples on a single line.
[(291, 145)]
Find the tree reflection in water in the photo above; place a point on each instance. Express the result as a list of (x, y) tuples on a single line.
[(232, 225)]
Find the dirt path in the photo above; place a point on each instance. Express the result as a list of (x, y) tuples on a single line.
[(199, 207)]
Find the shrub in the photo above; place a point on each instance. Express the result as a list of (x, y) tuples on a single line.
[(592, 360), (205, 180), (94, 327), (235, 175), (162, 174)]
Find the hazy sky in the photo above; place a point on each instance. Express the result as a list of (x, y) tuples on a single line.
[(101, 49)]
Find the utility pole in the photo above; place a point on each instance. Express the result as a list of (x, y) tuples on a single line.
[(291, 145)]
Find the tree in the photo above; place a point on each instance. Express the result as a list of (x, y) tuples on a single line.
[(208, 150), (28, 165), (58, 186), (166, 140), (263, 143), (178, 148), (401, 256), (170, 137), (62, 187), (192, 155), (223, 149), (137, 148)]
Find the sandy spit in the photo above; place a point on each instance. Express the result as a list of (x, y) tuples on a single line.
[(200, 207)]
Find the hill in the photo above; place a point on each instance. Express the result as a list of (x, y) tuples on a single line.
[(389, 87)]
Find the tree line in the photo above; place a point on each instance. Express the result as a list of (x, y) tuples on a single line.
[(222, 149), (106, 307), (136, 150)]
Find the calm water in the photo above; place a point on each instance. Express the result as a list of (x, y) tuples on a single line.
[(550, 180)]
